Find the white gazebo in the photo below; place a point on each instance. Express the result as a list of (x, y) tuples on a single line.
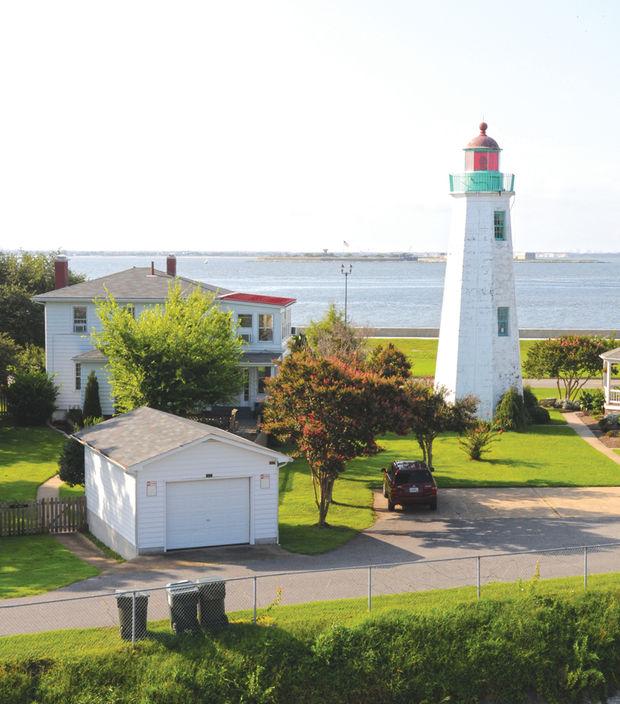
[(612, 394)]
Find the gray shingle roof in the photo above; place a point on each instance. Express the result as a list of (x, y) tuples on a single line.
[(144, 433), (90, 356), (132, 284), (612, 355)]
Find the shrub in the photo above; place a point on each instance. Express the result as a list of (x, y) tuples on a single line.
[(92, 404), (609, 422), (539, 415), (388, 361), (477, 439), (31, 398), (71, 463), (592, 401), (511, 413), (75, 417)]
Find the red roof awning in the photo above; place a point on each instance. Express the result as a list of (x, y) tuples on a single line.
[(258, 298)]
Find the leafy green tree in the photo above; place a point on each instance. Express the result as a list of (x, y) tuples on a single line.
[(511, 413), (30, 358), (180, 357), (22, 276), (389, 361), (92, 402), (330, 412), (9, 351), (572, 360), (332, 336), (31, 398), (430, 414)]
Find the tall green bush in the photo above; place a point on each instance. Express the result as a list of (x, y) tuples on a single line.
[(510, 413), (531, 649), (31, 398), (92, 403), (536, 413), (71, 463)]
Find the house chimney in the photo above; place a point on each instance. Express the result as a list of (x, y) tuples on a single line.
[(171, 265), (61, 271)]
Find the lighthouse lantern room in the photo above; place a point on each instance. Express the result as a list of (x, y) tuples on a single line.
[(479, 337)]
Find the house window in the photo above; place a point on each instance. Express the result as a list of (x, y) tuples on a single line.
[(245, 320), (246, 384), (130, 308), (79, 318), (502, 322), (263, 373), (499, 224), (78, 376), (265, 327), (246, 337)]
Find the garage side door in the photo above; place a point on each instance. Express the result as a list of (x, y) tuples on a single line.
[(207, 512)]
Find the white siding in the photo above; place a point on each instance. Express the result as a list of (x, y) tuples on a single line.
[(209, 457), (110, 494)]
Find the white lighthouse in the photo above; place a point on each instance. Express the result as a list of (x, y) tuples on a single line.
[(479, 337)]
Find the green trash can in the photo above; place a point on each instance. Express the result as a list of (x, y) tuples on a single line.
[(183, 603), (132, 614), (211, 603)]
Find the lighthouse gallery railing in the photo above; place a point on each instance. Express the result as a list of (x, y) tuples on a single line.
[(481, 181)]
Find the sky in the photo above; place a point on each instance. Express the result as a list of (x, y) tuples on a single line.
[(301, 125)]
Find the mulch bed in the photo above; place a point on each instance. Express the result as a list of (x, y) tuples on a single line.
[(592, 423)]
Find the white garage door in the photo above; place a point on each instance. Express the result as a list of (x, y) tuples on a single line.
[(207, 512)]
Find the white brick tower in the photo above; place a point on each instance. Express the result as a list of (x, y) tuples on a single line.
[(479, 336)]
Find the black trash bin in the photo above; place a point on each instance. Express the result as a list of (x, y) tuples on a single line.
[(183, 603), (211, 603), (132, 614)]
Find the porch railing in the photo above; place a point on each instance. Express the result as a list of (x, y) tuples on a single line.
[(614, 396)]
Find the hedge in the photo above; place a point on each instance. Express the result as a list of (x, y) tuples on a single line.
[(532, 649)]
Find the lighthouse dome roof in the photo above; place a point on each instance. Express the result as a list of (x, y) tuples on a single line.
[(482, 141)]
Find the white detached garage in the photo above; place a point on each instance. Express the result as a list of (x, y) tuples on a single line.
[(157, 482)]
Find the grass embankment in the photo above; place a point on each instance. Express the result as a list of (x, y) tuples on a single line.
[(429, 648), (33, 564), (422, 351), (28, 457), (545, 455)]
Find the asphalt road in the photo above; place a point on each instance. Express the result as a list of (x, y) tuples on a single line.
[(470, 523)]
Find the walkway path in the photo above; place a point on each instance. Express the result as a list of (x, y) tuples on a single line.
[(50, 488), (576, 424)]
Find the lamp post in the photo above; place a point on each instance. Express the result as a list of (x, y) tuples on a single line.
[(346, 273)]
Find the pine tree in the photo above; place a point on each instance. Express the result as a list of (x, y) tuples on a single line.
[(92, 404)]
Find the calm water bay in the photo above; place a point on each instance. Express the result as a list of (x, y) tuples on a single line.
[(400, 294)]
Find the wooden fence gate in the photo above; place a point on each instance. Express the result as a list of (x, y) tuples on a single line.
[(43, 516)]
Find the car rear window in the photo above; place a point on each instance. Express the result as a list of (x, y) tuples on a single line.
[(413, 476)]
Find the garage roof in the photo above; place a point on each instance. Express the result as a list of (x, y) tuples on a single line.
[(145, 433)]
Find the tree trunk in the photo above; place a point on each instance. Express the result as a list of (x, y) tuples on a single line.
[(429, 453), (326, 486)]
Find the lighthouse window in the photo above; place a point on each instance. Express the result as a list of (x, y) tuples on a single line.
[(499, 224), (502, 322)]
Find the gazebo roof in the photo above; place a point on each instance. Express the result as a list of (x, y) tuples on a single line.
[(612, 355)]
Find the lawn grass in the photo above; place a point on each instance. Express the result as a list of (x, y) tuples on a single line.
[(300, 620), (28, 457), (33, 564), (545, 455), (422, 351), (69, 492)]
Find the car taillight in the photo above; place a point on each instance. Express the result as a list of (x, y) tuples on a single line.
[(432, 488)]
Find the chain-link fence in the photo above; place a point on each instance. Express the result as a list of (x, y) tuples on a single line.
[(40, 625)]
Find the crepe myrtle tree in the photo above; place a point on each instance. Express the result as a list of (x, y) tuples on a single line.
[(430, 414), (331, 412), (572, 360), (179, 357)]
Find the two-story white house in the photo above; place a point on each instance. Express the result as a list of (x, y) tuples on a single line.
[(264, 322)]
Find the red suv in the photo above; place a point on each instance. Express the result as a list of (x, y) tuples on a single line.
[(408, 482)]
